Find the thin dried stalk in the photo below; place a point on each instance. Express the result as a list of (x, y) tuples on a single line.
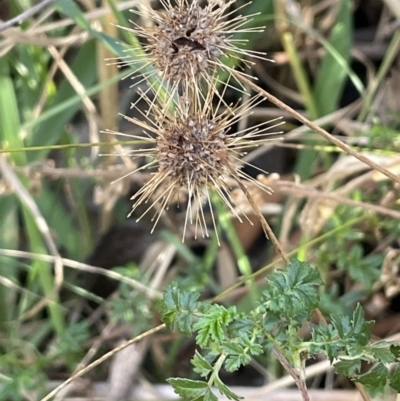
[(18, 20), (316, 128), (99, 361)]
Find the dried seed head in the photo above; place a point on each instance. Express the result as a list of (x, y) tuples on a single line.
[(187, 41), (194, 152)]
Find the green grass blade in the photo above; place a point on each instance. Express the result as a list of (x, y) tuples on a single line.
[(390, 55), (9, 135), (62, 106), (68, 8), (300, 75), (330, 79), (242, 260), (9, 233), (61, 223), (50, 131), (331, 76), (9, 117)]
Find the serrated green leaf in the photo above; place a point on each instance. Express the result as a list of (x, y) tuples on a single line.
[(225, 390), (325, 334), (255, 349), (209, 396), (203, 336), (250, 344), (211, 325), (201, 366), (231, 348), (238, 352), (348, 367), (293, 291), (395, 379), (342, 324), (375, 378), (302, 272), (358, 319), (382, 352), (232, 363), (358, 330), (271, 320), (395, 350), (178, 308), (170, 297), (361, 327), (188, 300), (241, 325), (184, 322), (186, 388), (174, 298), (365, 270)]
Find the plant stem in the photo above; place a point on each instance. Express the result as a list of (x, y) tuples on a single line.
[(316, 128), (217, 367), (299, 74), (390, 56), (101, 360), (19, 19), (300, 382)]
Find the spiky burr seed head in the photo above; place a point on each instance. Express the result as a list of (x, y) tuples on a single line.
[(188, 40), (194, 152)]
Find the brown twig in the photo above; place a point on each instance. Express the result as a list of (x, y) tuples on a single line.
[(38, 170), (305, 191), (19, 19), (315, 127), (111, 274), (102, 359), (296, 375)]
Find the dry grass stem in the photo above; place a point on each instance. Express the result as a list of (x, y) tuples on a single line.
[(26, 198), (99, 361), (89, 107), (302, 191), (321, 131), (147, 291), (18, 20), (113, 172)]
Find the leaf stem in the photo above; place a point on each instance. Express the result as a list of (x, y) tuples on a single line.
[(216, 369)]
